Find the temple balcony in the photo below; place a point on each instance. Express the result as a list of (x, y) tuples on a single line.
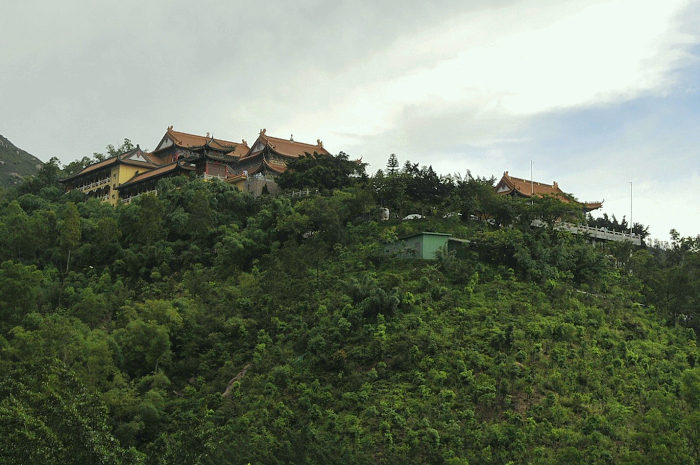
[(207, 177), (133, 197), (94, 185)]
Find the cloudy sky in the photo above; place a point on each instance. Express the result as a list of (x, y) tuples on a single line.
[(596, 93)]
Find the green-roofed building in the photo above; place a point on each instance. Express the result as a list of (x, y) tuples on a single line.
[(425, 245)]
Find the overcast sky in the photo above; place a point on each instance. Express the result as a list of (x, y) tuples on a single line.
[(597, 93)]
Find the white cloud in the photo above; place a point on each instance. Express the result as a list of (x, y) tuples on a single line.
[(523, 62)]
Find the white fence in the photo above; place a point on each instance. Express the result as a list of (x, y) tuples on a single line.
[(93, 185), (601, 234), (133, 197)]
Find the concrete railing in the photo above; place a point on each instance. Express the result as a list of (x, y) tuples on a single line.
[(292, 194), (601, 234), (94, 185), (133, 197), (211, 176)]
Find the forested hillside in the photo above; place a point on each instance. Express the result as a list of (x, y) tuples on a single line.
[(15, 163), (205, 326)]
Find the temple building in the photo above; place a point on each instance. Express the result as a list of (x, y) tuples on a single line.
[(266, 159), (517, 187), (126, 176), (101, 179), (147, 182), (176, 145)]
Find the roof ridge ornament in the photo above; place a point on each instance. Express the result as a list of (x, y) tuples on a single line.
[(262, 131), (319, 142)]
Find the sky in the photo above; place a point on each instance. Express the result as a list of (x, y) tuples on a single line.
[(601, 96)]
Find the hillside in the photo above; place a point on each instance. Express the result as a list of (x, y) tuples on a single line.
[(202, 325), (15, 163)]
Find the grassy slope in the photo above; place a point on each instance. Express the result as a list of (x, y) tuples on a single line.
[(17, 163)]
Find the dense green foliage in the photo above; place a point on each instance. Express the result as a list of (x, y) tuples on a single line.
[(613, 225), (205, 326), (321, 172)]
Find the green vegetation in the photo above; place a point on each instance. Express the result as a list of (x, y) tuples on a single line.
[(205, 326), (15, 163)]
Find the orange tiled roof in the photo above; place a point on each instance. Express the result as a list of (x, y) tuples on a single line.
[(277, 168), (526, 188), (94, 167), (236, 177), (241, 150), (286, 147), (257, 169), (590, 206), (189, 141), (157, 172), (155, 160), (121, 158)]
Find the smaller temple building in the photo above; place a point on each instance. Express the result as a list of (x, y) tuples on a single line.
[(518, 187)]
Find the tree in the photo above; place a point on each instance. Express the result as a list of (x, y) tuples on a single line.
[(200, 219), (392, 166), (640, 230), (472, 196), (47, 177), (113, 151), (18, 290), (15, 237), (107, 232), (321, 171), (144, 345), (391, 191), (149, 223), (550, 209), (47, 416), (77, 166), (690, 387), (69, 231)]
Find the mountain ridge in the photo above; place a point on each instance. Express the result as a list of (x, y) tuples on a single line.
[(15, 163)]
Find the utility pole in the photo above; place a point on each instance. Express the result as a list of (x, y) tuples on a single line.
[(631, 222), (532, 184)]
